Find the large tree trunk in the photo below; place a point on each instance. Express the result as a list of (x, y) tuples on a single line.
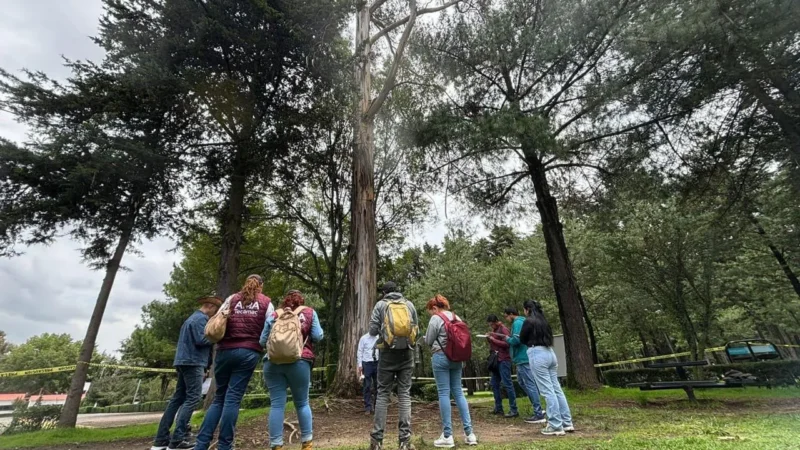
[(361, 264), (230, 248), (69, 414), (580, 364)]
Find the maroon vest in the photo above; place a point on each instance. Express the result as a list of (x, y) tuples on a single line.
[(245, 323)]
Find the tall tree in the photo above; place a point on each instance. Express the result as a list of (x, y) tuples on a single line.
[(105, 167), (390, 16), (530, 101), (254, 71)]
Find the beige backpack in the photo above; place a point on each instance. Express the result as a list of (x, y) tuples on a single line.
[(216, 326), (285, 344)]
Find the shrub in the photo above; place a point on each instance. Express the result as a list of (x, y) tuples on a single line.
[(429, 393), (778, 373), (255, 401), (27, 418)]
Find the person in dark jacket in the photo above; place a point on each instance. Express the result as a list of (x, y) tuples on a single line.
[(238, 353), (538, 336), (295, 376), (192, 359), (501, 379)]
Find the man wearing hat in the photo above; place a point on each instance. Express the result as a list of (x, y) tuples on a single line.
[(192, 359)]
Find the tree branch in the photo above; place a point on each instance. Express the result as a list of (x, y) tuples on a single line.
[(388, 29), (565, 165), (398, 59)]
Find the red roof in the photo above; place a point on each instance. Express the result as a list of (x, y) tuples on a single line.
[(11, 397), (52, 398)]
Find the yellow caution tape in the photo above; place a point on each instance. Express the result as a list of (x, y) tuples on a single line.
[(655, 358), (22, 373), (135, 368)]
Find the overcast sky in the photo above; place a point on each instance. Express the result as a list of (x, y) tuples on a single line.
[(48, 289)]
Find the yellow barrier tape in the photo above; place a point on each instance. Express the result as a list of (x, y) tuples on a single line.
[(655, 358), (136, 368), (22, 373)]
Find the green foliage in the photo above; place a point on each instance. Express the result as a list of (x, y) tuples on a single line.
[(28, 418), (46, 350), (430, 393), (255, 401)]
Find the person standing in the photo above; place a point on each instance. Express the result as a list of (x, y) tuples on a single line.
[(538, 336), (519, 354), (192, 359), (368, 370), (295, 376), (394, 319), (447, 374), (501, 379), (238, 353)]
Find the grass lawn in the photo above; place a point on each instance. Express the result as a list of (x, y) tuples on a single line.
[(86, 435), (606, 419)]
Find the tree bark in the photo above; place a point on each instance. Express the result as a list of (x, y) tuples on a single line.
[(362, 255), (231, 245), (787, 270), (580, 364), (69, 414)]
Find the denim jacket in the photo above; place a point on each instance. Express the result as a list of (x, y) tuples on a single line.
[(193, 347)]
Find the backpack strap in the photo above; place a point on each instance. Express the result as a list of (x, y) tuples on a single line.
[(299, 309)]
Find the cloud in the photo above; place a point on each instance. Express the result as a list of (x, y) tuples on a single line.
[(48, 290)]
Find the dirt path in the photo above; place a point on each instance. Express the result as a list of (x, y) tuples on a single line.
[(343, 423)]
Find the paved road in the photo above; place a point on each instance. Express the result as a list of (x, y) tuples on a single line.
[(105, 420)]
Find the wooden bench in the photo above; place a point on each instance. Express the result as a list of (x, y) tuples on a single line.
[(687, 385)]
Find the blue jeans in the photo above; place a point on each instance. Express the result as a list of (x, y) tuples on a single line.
[(545, 369), (297, 377), (370, 384), (233, 369), (525, 378), (502, 378), (187, 396), (448, 381)]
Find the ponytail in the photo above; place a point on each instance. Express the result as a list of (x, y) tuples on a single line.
[(251, 289)]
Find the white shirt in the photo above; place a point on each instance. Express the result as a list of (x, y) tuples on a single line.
[(365, 346)]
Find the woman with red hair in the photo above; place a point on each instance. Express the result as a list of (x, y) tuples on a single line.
[(295, 376), (447, 374)]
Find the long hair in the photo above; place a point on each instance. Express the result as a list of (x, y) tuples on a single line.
[(542, 333), (251, 289), (293, 299)]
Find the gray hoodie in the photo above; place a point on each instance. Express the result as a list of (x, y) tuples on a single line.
[(436, 336), (376, 321)]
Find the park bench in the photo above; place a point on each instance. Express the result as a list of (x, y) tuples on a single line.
[(685, 383)]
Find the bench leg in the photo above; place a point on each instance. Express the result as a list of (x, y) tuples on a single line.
[(690, 393)]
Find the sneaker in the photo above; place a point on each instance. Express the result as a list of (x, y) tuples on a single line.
[(444, 442), (536, 419), (308, 445), (471, 439), (160, 446), (407, 445), (511, 415), (550, 431), (569, 428), (375, 445), (498, 412), (183, 445)]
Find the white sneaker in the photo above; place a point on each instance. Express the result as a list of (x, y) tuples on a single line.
[(569, 428), (471, 439), (158, 447), (444, 442)]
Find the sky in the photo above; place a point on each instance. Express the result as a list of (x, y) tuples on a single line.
[(48, 289)]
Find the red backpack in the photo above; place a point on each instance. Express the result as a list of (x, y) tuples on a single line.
[(459, 340)]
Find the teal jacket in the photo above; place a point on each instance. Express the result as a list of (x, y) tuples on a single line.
[(519, 351)]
